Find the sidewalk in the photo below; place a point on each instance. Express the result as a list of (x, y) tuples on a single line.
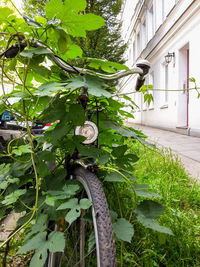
[(186, 147)]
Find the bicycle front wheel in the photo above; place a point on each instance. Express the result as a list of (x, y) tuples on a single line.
[(76, 252)]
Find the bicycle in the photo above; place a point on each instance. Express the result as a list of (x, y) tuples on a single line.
[(84, 172)]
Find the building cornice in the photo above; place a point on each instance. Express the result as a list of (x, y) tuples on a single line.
[(176, 19)]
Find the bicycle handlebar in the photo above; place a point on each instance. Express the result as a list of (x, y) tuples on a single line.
[(141, 68)]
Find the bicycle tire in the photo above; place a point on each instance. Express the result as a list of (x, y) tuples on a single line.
[(105, 245)]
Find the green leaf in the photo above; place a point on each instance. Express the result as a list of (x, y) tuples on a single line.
[(22, 150), (13, 197), (192, 79), (114, 177), (8, 181), (5, 12), (75, 23), (72, 215), (105, 65), (4, 170), (95, 86), (146, 194), (70, 204), (153, 224), (39, 243), (119, 129), (85, 203), (63, 41), (50, 87), (91, 241), (149, 209), (35, 51), (36, 242), (74, 51), (76, 114), (56, 242), (123, 229)]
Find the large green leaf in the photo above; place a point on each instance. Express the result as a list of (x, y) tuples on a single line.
[(39, 243), (123, 229), (114, 177), (119, 129), (149, 209), (141, 191), (75, 208), (22, 150), (68, 12), (35, 51), (73, 51), (13, 197), (50, 87), (95, 86), (153, 224), (105, 65)]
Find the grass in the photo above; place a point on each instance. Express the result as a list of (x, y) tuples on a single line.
[(181, 197)]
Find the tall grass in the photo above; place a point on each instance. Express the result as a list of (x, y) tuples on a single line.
[(181, 196)]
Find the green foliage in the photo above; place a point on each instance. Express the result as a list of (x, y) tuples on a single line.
[(40, 90), (123, 230)]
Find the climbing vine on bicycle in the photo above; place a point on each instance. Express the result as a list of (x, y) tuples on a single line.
[(34, 88)]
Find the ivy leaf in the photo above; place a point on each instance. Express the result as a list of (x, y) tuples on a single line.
[(153, 224), (119, 129), (146, 194), (75, 208), (85, 203), (8, 181), (95, 86), (72, 215), (73, 51), (22, 150), (149, 209), (68, 13), (114, 177), (56, 242), (13, 197), (39, 243), (5, 12), (47, 88), (105, 65), (123, 229), (35, 51), (70, 204), (4, 170)]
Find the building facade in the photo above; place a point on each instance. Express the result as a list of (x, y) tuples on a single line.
[(152, 29)]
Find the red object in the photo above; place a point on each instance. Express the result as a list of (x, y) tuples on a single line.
[(48, 124)]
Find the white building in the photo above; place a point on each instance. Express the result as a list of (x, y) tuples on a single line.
[(152, 28)]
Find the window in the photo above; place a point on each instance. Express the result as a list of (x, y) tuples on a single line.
[(150, 23), (144, 34), (138, 44), (134, 57)]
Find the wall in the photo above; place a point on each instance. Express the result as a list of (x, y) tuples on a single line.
[(176, 30)]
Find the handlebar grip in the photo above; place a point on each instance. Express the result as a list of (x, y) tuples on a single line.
[(140, 82)]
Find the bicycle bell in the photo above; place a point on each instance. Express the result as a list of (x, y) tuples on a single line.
[(88, 130)]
